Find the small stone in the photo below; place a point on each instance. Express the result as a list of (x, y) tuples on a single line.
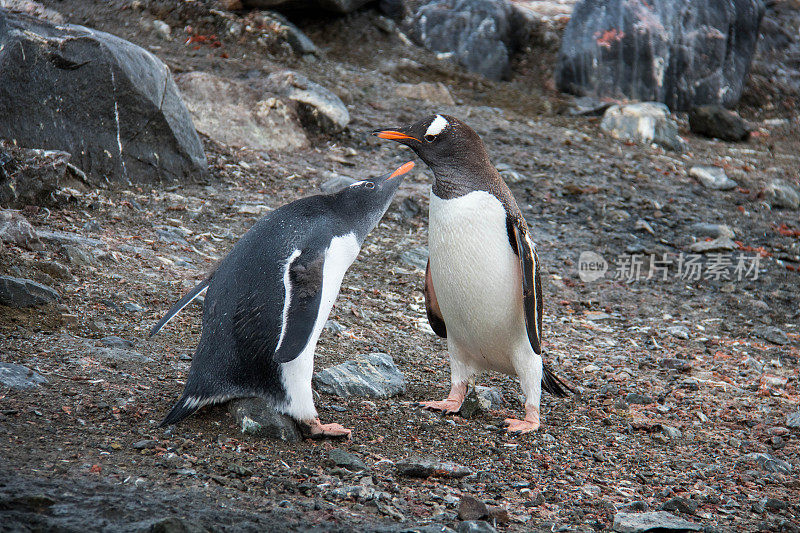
[(162, 29), (682, 505), (679, 332), (434, 93), (635, 506), (78, 256), (145, 444), (93, 226), (16, 229), (20, 292), (644, 123), (176, 525), (19, 377), (681, 365), (716, 121), (335, 327), (643, 225), (720, 244), (257, 417), (372, 376), (133, 307), (240, 470), (713, 178), (671, 432), (346, 460), (781, 194), (116, 342), (588, 106), (116, 353), (336, 183), (634, 398), (769, 463), (416, 257), (772, 334), (703, 229), (793, 420), (475, 526), (54, 269), (318, 107), (480, 399), (652, 521), (421, 467), (774, 504), (470, 508)]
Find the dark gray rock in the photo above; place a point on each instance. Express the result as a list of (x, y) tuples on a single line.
[(257, 417), (78, 256), (682, 505), (679, 332), (174, 524), (480, 399), (683, 54), (338, 6), (475, 526), (146, 444), (416, 257), (32, 176), (703, 229), (470, 508), (372, 376), (643, 123), (298, 40), (114, 353), (713, 178), (638, 399), (19, 292), (782, 195), (422, 467), (769, 463), (318, 108), (19, 377), (716, 121), (67, 238), (346, 460), (772, 334), (116, 342), (652, 521), (793, 420), (16, 229), (720, 244), (588, 106), (106, 101), (480, 35)]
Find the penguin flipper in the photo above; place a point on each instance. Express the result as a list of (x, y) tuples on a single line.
[(531, 280), (435, 318), (256, 329), (180, 304)]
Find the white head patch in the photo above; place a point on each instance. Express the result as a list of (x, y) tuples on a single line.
[(436, 127)]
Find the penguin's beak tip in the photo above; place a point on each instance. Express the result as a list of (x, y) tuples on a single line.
[(403, 169), (392, 135)]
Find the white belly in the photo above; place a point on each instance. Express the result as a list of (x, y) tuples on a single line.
[(477, 279)]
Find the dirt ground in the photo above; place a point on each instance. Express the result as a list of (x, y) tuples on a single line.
[(83, 451)]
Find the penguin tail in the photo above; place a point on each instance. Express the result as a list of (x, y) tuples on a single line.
[(553, 384), (186, 406), (180, 304)]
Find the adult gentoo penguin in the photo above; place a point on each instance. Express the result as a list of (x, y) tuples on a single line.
[(483, 290), (269, 298)]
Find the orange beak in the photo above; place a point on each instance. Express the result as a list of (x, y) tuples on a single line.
[(394, 135), (402, 170)]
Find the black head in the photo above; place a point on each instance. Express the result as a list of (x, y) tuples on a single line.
[(361, 205), (449, 147)]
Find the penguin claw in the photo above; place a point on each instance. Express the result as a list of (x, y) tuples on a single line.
[(318, 430), (447, 406), (518, 427)]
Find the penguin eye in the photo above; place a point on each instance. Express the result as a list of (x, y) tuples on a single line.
[(430, 138), (369, 185)]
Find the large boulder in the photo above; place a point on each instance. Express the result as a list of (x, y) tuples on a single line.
[(106, 101), (480, 35), (683, 54)]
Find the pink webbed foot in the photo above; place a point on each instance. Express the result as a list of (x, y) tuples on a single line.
[(318, 430), (451, 404), (531, 422)]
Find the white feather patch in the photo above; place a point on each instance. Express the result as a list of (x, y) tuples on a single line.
[(436, 127), (287, 284)]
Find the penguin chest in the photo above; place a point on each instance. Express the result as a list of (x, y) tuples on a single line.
[(477, 278)]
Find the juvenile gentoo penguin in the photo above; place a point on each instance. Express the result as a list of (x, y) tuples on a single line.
[(483, 290), (269, 298)]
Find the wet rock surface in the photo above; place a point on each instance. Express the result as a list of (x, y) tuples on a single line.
[(681, 54), (139, 129), (372, 376)]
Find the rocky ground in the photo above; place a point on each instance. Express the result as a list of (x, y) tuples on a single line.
[(687, 388)]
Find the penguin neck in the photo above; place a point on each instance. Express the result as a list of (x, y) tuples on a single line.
[(457, 180)]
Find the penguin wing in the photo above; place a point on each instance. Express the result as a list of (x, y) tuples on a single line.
[(520, 241), (252, 323), (435, 318)]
